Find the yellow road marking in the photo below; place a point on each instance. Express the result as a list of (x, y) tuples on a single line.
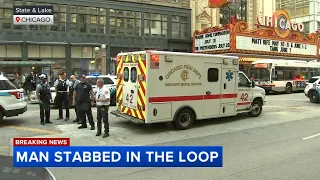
[(38, 130)]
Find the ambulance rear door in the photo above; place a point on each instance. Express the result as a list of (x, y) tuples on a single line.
[(130, 85)]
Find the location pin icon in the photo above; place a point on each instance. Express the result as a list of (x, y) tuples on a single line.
[(17, 19)]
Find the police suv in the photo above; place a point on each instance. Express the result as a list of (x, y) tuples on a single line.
[(12, 99), (109, 82), (312, 90)]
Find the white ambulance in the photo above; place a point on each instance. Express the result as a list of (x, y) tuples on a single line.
[(157, 86)]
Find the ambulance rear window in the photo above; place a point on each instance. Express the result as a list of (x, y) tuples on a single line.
[(126, 74), (134, 74)]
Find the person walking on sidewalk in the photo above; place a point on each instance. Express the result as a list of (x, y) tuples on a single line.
[(44, 96), (62, 90), (83, 99), (103, 102)]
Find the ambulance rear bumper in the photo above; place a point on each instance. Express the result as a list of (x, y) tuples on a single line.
[(125, 116)]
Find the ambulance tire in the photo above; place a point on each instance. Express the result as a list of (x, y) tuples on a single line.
[(184, 119), (256, 109)]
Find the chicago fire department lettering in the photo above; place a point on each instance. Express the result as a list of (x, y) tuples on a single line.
[(184, 76), (185, 67)]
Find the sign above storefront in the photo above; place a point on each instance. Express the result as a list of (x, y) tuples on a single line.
[(212, 41), (269, 45), (281, 23)]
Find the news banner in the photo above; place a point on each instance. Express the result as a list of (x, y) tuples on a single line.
[(57, 152)]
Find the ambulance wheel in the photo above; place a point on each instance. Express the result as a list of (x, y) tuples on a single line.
[(314, 97), (184, 119), (256, 109), (288, 88)]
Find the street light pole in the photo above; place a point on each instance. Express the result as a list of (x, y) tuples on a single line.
[(101, 59), (104, 59)]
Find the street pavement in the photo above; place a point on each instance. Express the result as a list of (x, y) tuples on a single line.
[(282, 143)]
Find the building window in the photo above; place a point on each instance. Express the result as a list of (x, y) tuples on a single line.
[(60, 16), (147, 23), (82, 52), (155, 20), (237, 9), (155, 24), (91, 20), (124, 22), (84, 19), (102, 21), (295, 8), (138, 25), (184, 27), (46, 51), (164, 25), (6, 15), (175, 27)]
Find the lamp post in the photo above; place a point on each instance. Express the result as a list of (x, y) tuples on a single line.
[(101, 60)]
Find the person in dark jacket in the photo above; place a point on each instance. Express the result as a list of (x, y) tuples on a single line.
[(62, 86), (74, 83), (83, 99), (44, 96)]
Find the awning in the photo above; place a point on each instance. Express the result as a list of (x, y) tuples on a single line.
[(27, 63), (248, 59)]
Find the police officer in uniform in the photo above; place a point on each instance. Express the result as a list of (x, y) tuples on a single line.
[(83, 99), (62, 90), (74, 83), (44, 96), (103, 102)]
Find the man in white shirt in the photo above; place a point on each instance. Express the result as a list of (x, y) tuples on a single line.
[(102, 102)]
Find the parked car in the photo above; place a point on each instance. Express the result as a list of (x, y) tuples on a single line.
[(12, 99), (312, 89), (109, 82)]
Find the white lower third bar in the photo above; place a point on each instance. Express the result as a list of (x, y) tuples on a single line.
[(33, 19), (312, 136)]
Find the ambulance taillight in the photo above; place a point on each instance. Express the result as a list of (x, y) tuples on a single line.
[(155, 60), (155, 57)]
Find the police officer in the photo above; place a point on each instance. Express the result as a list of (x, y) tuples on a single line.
[(74, 83), (62, 90), (103, 102), (83, 99), (44, 96)]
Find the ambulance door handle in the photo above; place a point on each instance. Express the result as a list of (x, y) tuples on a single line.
[(208, 92), (225, 85)]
